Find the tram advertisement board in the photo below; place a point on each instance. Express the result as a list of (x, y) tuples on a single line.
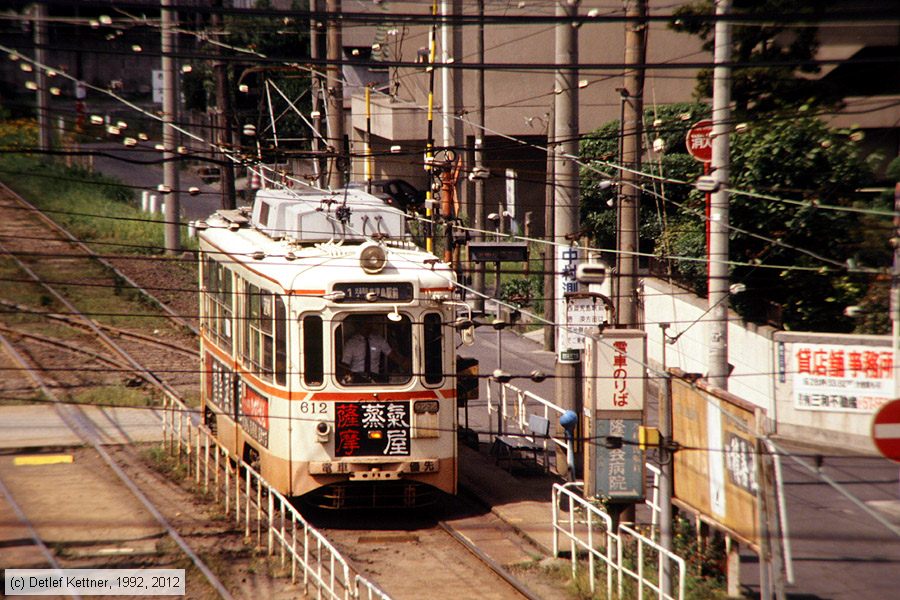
[(220, 385), (255, 414), (371, 429)]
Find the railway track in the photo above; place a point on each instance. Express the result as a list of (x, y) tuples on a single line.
[(48, 325)]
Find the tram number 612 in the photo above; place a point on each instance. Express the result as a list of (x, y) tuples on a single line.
[(313, 408)]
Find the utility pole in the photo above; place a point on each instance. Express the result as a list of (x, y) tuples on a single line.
[(170, 135), (566, 209), (43, 93), (315, 53), (717, 286), (479, 170), (447, 108), (628, 212), (335, 95), (550, 256), (224, 139), (717, 316)]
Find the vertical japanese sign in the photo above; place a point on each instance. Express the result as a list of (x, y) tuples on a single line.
[(371, 429), (619, 471), (614, 392), (841, 378), (568, 347), (618, 370), (511, 177)]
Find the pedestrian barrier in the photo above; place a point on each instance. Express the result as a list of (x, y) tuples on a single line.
[(262, 511), (633, 562), (511, 406)]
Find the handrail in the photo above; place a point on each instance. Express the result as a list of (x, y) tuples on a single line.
[(260, 508)]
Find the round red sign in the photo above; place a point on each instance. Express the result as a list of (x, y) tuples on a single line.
[(886, 430), (699, 140)]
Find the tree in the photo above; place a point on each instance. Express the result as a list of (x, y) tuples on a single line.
[(776, 61), (803, 167)]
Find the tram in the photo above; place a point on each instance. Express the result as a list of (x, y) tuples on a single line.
[(328, 349)]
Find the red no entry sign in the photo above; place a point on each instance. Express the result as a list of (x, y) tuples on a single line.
[(886, 430), (699, 140)]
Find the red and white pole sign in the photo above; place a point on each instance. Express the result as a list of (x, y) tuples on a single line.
[(886, 430), (699, 140)]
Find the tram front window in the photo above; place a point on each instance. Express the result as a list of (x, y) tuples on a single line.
[(371, 349)]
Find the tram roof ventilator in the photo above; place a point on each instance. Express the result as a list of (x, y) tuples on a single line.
[(317, 216)]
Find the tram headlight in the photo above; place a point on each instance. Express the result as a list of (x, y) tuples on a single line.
[(372, 259), (323, 430)]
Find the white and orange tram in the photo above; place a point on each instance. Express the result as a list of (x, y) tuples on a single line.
[(327, 347)]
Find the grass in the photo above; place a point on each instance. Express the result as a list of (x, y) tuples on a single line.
[(115, 395)]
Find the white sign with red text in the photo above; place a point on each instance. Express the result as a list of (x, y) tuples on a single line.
[(617, 370), (840, 378)]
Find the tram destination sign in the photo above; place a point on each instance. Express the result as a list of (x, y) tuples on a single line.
[(375, 292), (481, 252)]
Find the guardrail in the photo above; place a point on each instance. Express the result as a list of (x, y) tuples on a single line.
[(263, 511), (622, 552), (510, 405)]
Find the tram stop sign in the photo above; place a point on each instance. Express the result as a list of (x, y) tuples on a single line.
[(699, 140), (886, 430)]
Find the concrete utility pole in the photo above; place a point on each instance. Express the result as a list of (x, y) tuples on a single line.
[(630, 191), (717, 317), (43, 93), (447, 77), (170, 136), (315, 53), (479, 170), (566, 209), (550, 256), (335, 95), (224, 139)]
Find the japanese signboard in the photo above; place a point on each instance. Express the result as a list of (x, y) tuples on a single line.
[(255, 414), (718, 477), (375, 292), (841, 378), (581, 319), (220, 385), (567, 347), (618, 472), (371, 429), (699, 140), (615, 370)]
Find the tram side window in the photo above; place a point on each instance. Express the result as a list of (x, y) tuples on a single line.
[(264, 340), (434, 348), (313, 369), (219, 302)]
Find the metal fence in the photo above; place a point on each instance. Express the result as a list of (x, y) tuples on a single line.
[(263, 512), (634, 565), (511, 406)]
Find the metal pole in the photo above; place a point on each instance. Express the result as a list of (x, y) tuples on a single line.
[(665, 476), (632, 131), (566, 209), (480, 210), (717, 317), (335, 94), (170, 135), (223, 121), (45, 139), (315, 52)]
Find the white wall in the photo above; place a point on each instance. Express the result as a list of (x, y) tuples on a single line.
[(758, 376)]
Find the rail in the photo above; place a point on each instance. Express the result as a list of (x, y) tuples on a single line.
[(622, 552), (511, 410), (263, 512)]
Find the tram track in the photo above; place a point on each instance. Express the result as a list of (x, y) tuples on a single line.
[(480, 576)]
